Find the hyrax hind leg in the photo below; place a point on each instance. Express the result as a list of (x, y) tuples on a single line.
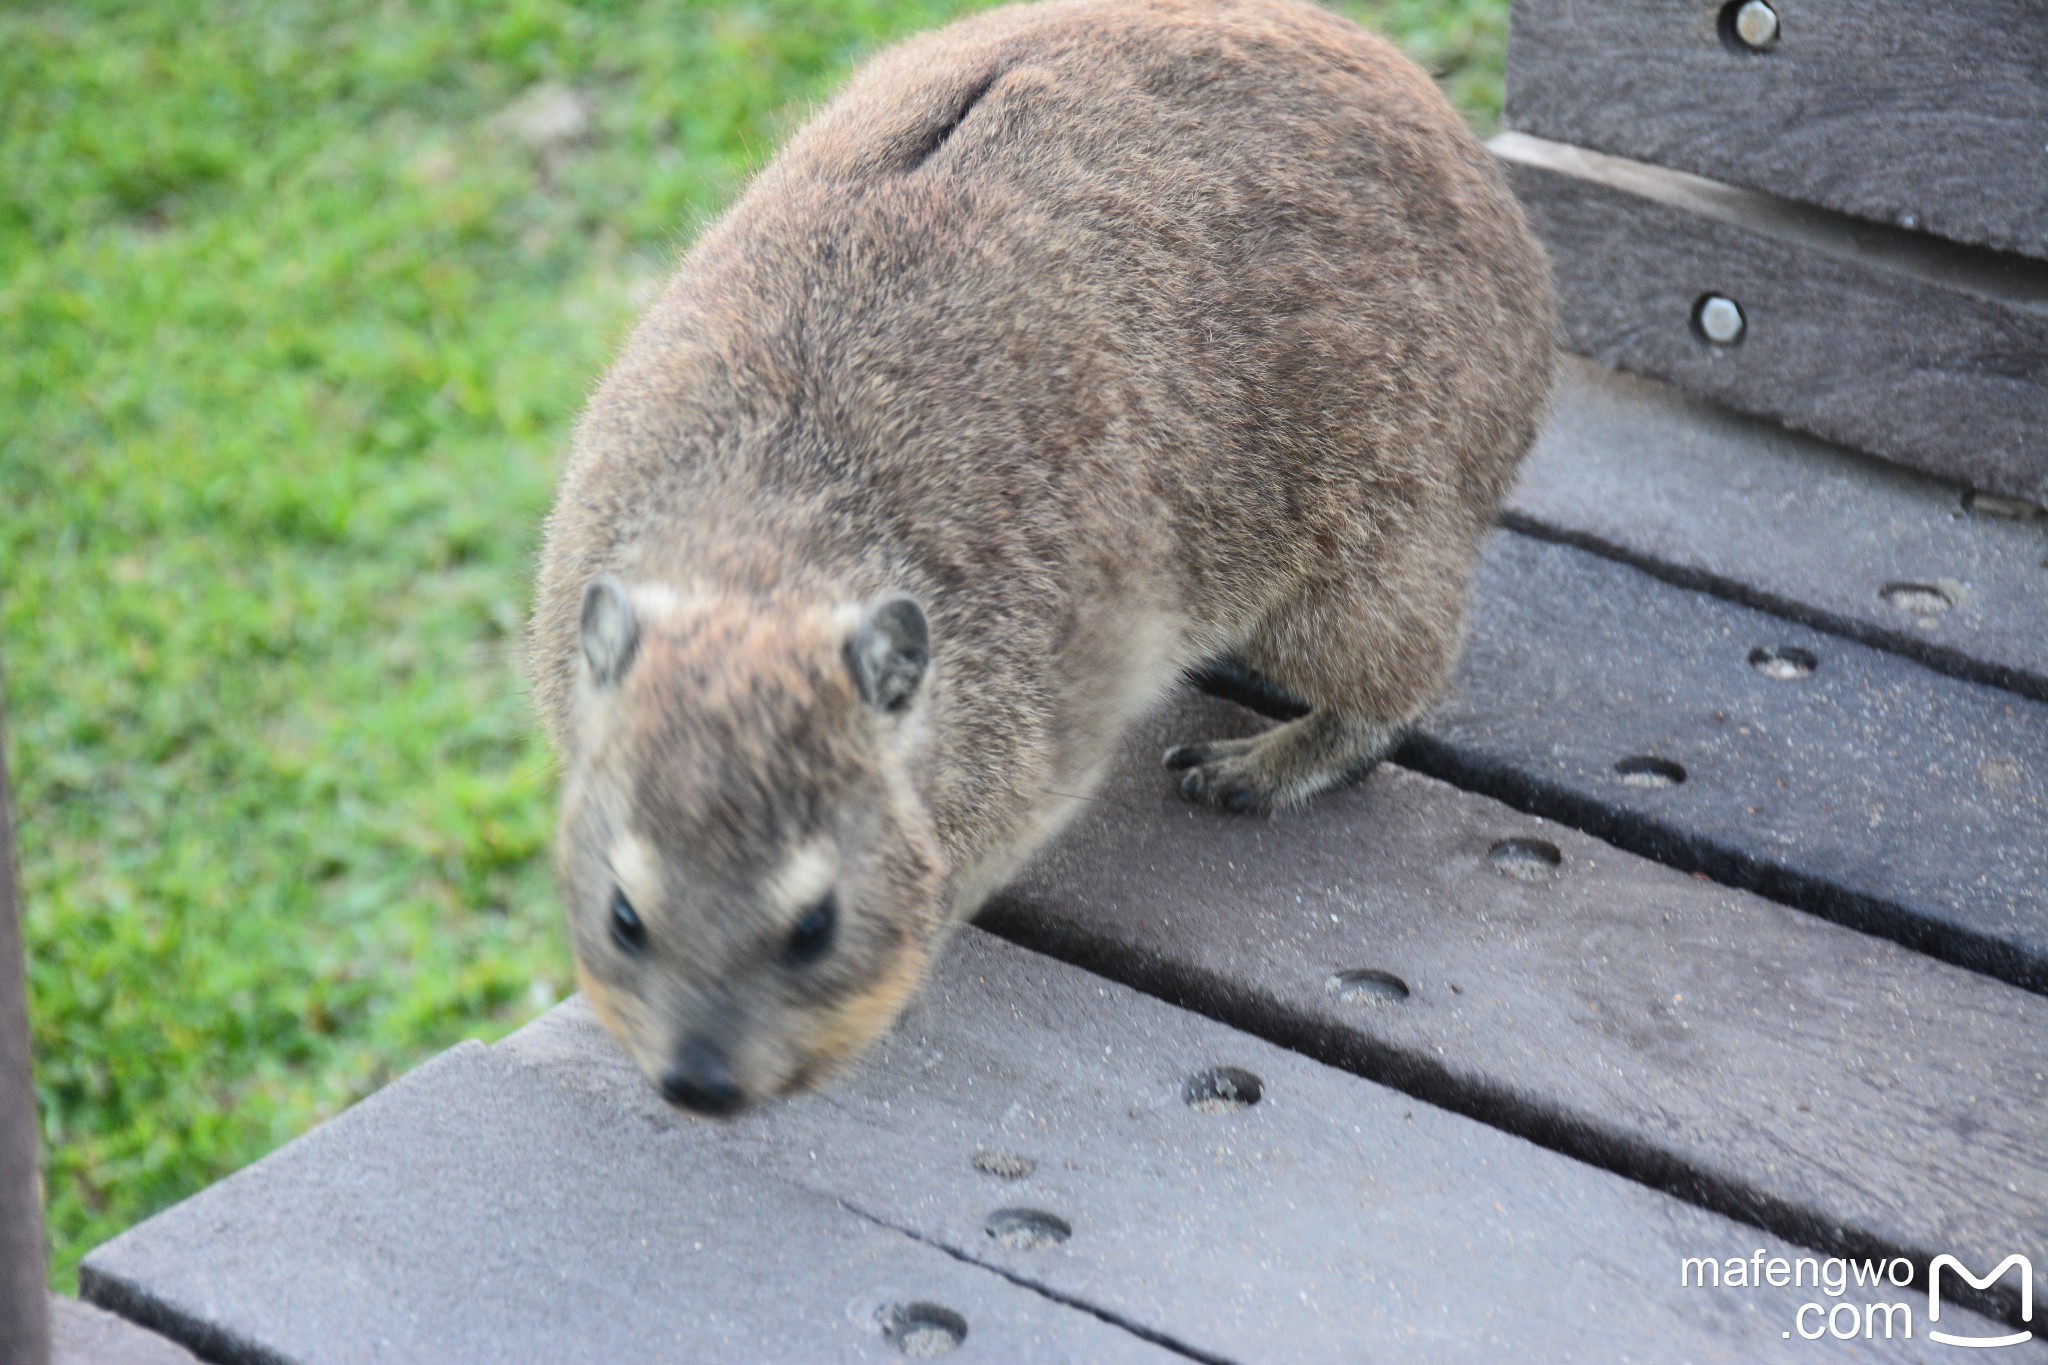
[(1367, 660)]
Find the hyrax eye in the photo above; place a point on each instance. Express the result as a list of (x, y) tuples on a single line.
[(811, 939), (627, 930)]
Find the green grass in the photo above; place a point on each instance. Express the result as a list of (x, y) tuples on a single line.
[(291, 332)]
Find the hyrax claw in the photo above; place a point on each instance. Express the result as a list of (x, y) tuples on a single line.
[(1286, 765)]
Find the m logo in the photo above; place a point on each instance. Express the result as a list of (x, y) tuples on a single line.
[(2026, 1299)]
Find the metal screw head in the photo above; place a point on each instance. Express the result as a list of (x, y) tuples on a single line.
[(1720, 320), (1756, 24)]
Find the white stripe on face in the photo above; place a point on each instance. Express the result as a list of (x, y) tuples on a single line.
[(638, 869), (806, 877)]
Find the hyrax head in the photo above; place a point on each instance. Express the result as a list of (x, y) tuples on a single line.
[(753, 885)]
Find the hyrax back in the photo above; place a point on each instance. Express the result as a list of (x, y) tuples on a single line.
[(1070, 347)]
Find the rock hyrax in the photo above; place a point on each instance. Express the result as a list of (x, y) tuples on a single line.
[(1070, 348)]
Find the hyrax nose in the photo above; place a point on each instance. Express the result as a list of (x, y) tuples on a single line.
[(699, 1080)]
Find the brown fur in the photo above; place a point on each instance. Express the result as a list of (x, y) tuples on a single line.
[(1205, 329)]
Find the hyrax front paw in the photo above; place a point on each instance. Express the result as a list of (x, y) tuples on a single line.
[(1286, 765), (1224, 773)]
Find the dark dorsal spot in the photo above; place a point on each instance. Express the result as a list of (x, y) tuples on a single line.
[(935, 137)]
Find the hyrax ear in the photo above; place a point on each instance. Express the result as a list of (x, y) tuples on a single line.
[(611, 636), (889, 653)]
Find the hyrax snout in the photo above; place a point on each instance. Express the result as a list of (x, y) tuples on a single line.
[(1069, 349)]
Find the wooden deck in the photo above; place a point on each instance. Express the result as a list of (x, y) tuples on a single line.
[(1705, 921), (1556, 1070)]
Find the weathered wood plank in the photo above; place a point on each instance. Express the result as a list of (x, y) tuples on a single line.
[(1790, 524), (1871, 790), (1331, 1220), (1922, 355), (24, 1306), (477, 1212), (537, 1201), (81, 1334), (1922, 117), (1832, 1086)]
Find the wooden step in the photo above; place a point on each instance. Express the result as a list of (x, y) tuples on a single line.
[(1928, 354), (1920, 116), (1709, 498), (478, 1211), (1872, 790), (1832, 1086), (1021, 1153)]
